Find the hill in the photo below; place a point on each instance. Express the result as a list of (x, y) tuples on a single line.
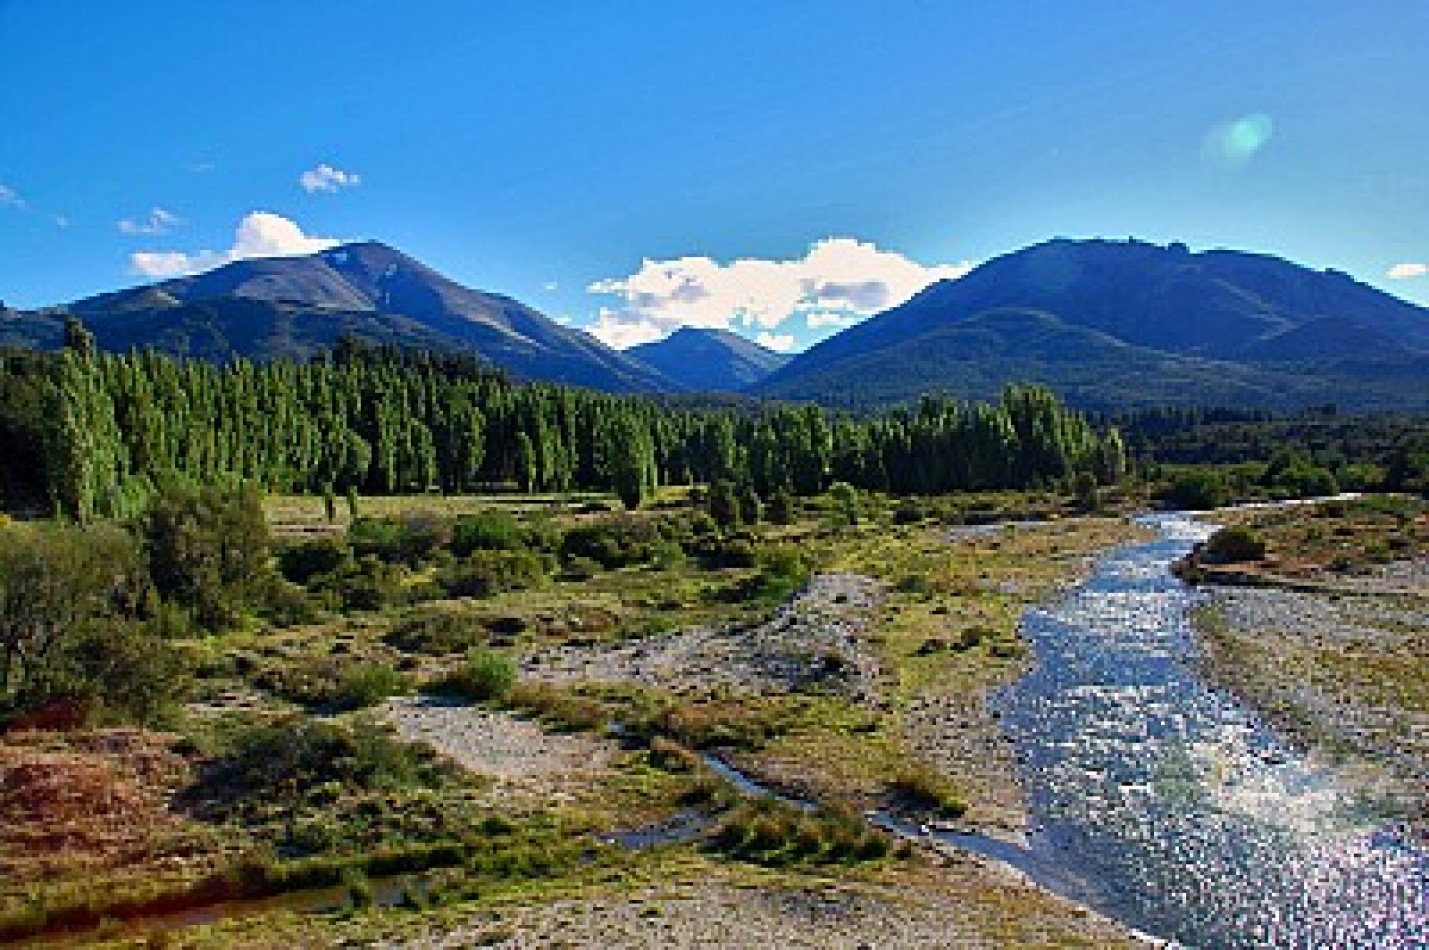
[(709, 360), (1114, 325), (295, 306)]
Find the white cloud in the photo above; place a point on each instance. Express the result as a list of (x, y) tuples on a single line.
[(10, 198), (839, 276), (259, 234), (159, 221), (1406, 271), (778, 342), (325, 177), (818, 319)]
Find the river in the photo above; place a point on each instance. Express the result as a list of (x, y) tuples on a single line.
[(1174, 808)]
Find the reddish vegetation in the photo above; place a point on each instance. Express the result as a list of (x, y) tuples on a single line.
[(85, 801)]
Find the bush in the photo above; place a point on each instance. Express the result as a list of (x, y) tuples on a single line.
[(782, 570), (208, 550), (1230, 545), (291, 755), (908, 512), (485, 573), (775, 834), (367, 685), (71, 627), (782, 508), (436, 633), (487, 675), (486, 531), (409, 540), (921, 787), (621, 541), (306, 560), (1198, 490), (370, 584)]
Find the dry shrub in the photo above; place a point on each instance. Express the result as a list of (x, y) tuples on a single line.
[(85, 800)]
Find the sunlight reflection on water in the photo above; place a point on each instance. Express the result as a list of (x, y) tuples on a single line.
[(1187, 812)]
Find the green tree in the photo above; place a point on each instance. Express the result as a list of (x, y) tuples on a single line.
[(723, 505), (208, 551)]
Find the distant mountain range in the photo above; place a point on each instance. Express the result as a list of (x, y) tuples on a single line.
[(709, 360), (1109, 324), (296, 306), (1118, 324)]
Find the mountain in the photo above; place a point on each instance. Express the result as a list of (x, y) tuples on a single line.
[(296, 306), (709, 360), (1113, 325)]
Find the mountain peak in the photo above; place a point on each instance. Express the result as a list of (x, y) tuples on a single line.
[(296, 306), (1114, 323), (709, 359)]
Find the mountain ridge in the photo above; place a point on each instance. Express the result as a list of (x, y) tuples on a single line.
[(709, 360), (296, 306), (1222, 327)]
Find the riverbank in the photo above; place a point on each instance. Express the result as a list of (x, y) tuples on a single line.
[(1329, 643), (865, 688)]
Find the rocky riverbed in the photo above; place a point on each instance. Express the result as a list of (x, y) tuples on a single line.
[(816, 639), (1340, 673)]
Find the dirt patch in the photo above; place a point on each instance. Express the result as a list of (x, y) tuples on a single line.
[(517, 753), (943, 907), (815, 639)]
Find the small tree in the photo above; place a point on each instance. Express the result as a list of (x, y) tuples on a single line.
[(845, 498), (781, 508), (1236, 543), (723, 505), (208, 550), (751, 508)]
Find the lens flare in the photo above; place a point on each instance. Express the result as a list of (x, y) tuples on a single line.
[(1233, 144)]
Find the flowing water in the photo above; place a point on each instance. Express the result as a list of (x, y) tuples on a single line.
[(1176, 808)]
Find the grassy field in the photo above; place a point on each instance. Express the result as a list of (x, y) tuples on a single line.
[(282, 775)]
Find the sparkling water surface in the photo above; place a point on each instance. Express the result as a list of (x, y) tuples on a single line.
[(1186, 815)]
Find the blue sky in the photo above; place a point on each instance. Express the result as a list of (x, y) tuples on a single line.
[(843, 153)]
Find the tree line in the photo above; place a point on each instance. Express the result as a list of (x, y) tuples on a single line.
[(94, 434)]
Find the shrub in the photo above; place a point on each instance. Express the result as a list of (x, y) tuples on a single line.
[(70, 627), (486, 531), (920, 787), (306, 560), (845, 501), (773, 833), (781, 508), (485, 573), (621, 541), (292, 755), (208, 550), (1236, 543), (367, 685), (782, 570), (1198, 490), (409, 540), (370, 584), (487, 675), (436, 633)]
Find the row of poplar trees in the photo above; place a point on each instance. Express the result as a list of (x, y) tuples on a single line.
[(99, 432)]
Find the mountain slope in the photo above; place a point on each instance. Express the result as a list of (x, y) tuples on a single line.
[(709, 360), (295, 306), (1122, 324)]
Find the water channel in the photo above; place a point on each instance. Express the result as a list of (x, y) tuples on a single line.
[(1174, 808)]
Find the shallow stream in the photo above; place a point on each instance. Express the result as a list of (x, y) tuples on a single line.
[(1171, 806)]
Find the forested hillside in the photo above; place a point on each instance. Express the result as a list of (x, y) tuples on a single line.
[(93, 434)]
